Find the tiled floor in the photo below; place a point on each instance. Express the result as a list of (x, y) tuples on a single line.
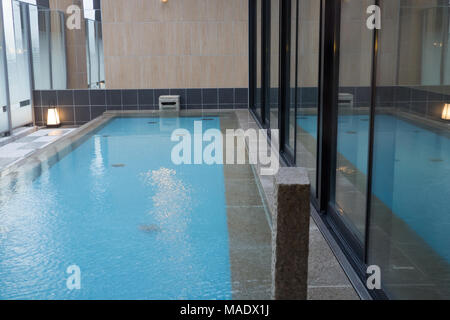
[(23, 147), (249, 232), (326, 278), (16, 134)]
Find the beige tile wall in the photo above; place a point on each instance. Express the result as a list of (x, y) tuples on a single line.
[(309, 43), (178, 44), (76, 48)]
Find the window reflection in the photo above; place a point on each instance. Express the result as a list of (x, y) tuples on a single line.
[(307, 86), (410, 217), (356, 47), (95, 65)]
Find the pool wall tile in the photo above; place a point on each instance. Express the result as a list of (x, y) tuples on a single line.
[(147, 107), (82, 115), (129, 97), (146, 97), (67, 115), (433, 96), (81, 106), (114, 98), (229, 106), (179, 92), (194, 96), (363, 95), (38, 115), (419, 95), (130, 108), (210, 96), (98, 97), (64, 97), (210, 106), (113, 108), (97, 111), (434, 109), (81, 98), (48, 97), (421, 100), (241, 96), (160, 92), (226, 96), (402, 94), (385, 94), (37, 98), (419, 107)]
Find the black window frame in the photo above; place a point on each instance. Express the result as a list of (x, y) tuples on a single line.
[(328, 68)]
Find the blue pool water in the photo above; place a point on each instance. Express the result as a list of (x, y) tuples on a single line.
[(411, 171), (145, 230)]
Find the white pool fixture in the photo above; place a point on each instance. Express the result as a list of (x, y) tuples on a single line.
[(446, 112), (53, 120), (346, 99), (169, 103)]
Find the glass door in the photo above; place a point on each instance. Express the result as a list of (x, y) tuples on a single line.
[(4, 114), (349, 188), (16, 38)]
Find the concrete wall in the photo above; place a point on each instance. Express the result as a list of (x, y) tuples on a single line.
[(178, 44)]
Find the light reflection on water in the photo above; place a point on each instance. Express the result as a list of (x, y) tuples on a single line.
[(83, 211)]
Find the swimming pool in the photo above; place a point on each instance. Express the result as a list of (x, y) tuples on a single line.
[(138, 226), (410, 173)]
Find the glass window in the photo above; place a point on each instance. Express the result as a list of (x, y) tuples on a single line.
[(100, 53), (94, 49), (272, 113), (4, 119), (290, 114), (410, 215), (258, 47), (356, 47), (40, 47), (16, 37), (58, 50), (307, 86)]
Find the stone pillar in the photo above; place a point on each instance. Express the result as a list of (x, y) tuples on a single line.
[(290, 235)]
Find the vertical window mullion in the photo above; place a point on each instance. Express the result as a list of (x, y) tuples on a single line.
[(329, 81), (371, 140)]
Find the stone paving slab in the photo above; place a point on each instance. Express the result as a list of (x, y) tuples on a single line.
[(326, 278), (23, 147), (33, 146)]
